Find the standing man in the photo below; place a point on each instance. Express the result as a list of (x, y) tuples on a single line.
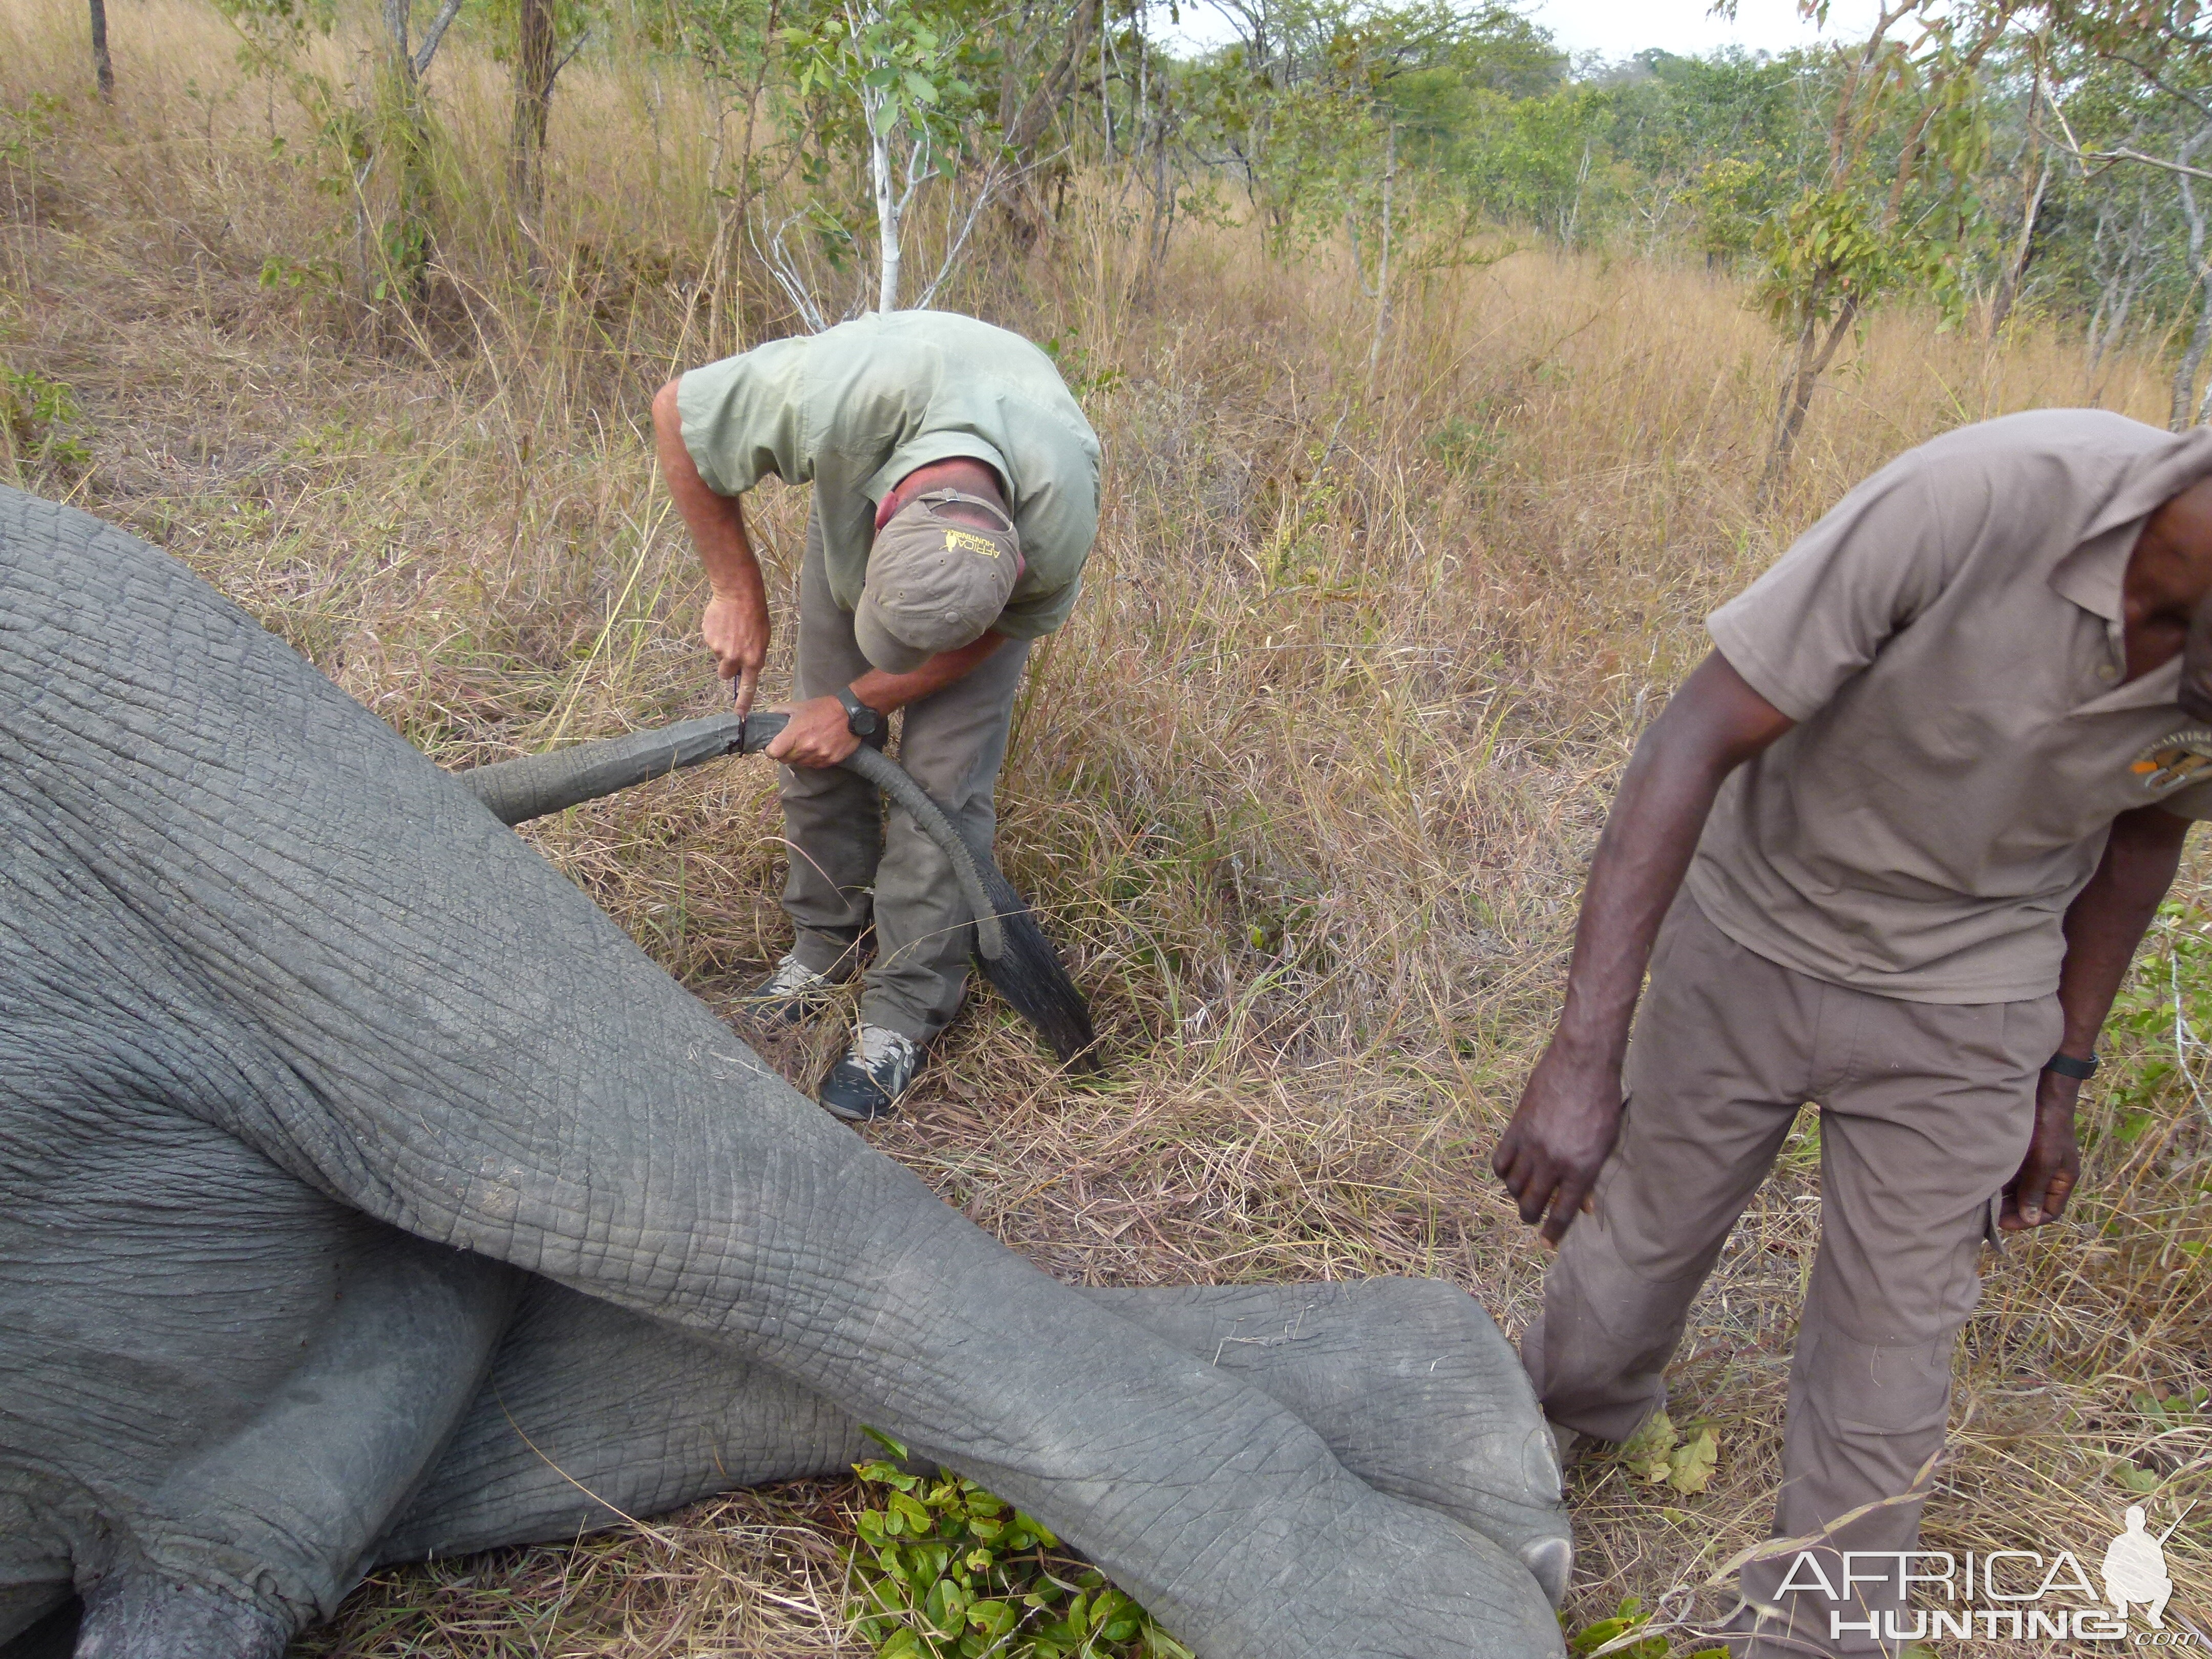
[(956, 496), (1928, 792)]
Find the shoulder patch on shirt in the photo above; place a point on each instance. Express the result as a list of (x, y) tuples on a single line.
[(2182, 759)]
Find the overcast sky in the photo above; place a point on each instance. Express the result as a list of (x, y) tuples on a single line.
[(1620, 28)]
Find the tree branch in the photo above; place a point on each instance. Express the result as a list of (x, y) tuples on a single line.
[(433, 36)]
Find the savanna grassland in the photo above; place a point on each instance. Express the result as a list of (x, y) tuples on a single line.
[(1304, 789)]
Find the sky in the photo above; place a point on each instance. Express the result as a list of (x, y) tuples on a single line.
[(1620, 28)]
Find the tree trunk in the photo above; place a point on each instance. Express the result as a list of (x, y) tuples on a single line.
[(1813, 355), (887, 217), (2016, 270), (103, 66), (534, 70), (2181, 407), (1383, 269)]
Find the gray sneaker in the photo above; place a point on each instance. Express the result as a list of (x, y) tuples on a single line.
[(874, 1072), (792, 995)]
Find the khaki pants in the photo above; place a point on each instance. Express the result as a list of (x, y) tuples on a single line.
[(849, 866), (1926, 1114)]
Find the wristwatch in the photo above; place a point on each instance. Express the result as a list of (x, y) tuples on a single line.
[(2066, 1065), (862, 721)]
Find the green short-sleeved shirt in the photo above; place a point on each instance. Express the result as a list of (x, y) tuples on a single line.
[(1948, 639), (854, 410)]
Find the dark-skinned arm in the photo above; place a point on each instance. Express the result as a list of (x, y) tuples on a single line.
[(818, 734), (2104, 924), (1570, 1112)]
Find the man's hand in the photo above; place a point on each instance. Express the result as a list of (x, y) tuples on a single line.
[(818, 735), (1560, 1133), (2038, 1193), (735, 627), (1570, 1112)]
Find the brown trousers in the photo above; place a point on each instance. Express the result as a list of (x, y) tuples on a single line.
[(851, 864), (1926, 1114)]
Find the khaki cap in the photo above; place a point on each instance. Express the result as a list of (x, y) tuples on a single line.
[(932, 584)]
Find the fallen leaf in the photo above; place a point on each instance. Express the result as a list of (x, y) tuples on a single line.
[(1648, 1451), (1690, 1465)]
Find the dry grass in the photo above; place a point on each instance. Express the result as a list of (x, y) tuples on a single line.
[(1306, 787)]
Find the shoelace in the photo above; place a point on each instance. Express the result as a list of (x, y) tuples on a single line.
[(791, 974), (878, 1047)]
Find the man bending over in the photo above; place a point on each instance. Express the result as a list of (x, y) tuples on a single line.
[(956, 496), (1927, 792)]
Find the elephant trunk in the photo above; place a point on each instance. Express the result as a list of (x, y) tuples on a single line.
[(517, 791), (1016, 956)]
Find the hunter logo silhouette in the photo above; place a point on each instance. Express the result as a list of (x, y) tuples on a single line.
[(2135, 1569)]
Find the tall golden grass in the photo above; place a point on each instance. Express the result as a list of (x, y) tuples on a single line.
[(1305, 787)]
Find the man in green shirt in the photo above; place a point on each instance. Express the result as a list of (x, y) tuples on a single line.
[(956, 497)]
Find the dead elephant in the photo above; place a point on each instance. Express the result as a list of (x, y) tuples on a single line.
[(340, 1136)]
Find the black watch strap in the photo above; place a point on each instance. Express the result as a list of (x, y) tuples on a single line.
[(2066, 1065), (860, 720)]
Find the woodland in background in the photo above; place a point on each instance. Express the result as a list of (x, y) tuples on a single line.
[(1997, 159)]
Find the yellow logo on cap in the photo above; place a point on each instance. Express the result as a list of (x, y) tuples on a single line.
[(967, 541)]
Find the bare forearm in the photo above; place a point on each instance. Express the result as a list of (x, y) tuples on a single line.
[(2108, 918), (1716, 723), (886, 692), (717, 523), (1570, 1110), (1649, 836)]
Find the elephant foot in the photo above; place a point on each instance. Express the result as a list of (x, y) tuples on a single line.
[(1409, 1381), (134, 1615), (1415, 1583)]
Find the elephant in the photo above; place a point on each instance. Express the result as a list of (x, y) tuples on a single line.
[(367, 1194)]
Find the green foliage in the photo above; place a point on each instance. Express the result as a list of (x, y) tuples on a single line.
[(40, 418), (946, 1570), (1622, 1627), (2166, 1004), (1659, 1453), (26, 132)]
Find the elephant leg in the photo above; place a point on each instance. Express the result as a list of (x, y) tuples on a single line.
[(245, 1542), (593, 1415), (1407, 1380)]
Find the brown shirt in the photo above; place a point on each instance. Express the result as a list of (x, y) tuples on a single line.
[(1948, 639)]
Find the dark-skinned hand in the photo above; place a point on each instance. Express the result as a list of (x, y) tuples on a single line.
[(2038, 1193), (818, 735), (1560, 1135)]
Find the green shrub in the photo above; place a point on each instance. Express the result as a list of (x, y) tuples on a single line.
[(946, 1570), (36, 416)]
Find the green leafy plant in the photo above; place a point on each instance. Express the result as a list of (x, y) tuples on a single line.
[(946, 1570), (1621, 1629), (36, 417), (1660, 1452)]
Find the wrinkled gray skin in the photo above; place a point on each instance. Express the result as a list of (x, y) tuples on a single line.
[(343, 1144)]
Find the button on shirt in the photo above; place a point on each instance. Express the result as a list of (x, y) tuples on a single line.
[(1949, 639), (855, 408)]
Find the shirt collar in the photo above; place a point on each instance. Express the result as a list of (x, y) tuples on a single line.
[(2093, 574)]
